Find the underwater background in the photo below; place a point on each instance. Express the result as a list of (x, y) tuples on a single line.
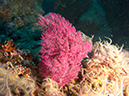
[(18, 19), (21, 37)]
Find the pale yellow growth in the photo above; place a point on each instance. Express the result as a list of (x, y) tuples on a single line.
[(10, 82), (106, 72)]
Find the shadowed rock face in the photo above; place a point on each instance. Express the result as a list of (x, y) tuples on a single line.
[(116, 11), (22, 8), (71, 10), (117, 15)]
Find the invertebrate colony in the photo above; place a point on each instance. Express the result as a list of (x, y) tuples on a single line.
[(16, 59), (15, 70), (104, 72)]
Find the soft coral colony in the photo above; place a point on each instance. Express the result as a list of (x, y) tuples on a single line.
[(62, 49)]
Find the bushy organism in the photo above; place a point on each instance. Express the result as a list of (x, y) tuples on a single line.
[(62, 49), (51, 88), (18, 73), (13, 85), (106, 73)]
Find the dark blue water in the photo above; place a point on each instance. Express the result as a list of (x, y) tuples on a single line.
[(110, 18), (95, 17)]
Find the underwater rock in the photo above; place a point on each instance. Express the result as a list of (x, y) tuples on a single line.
[(92, 20), (71, 10), (23, 9)]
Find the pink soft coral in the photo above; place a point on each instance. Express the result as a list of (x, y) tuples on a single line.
[(62, 49)]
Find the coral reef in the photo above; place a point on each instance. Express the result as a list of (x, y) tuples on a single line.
[(18, 21), (103, 72), (13, 85), (62, 49), (51, 88), (106, 72), (15, 58), (17, 71)]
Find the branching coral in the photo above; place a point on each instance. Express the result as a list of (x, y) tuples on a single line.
[(106, 72), (62, 49)]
